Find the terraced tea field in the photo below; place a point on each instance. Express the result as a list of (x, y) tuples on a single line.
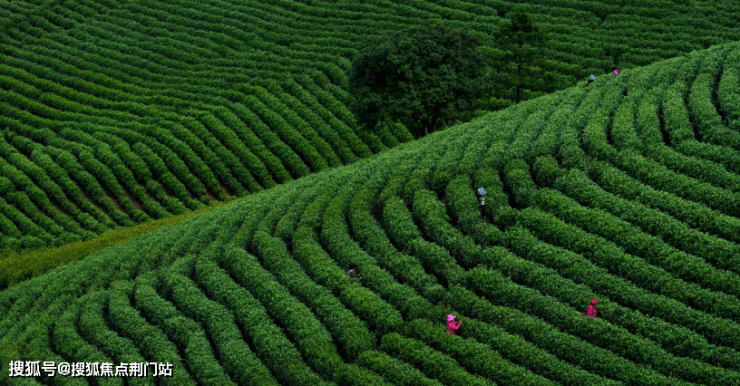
[(120, 112), (625, 191)]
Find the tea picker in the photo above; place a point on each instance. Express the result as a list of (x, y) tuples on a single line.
[(591, 310), (481, 194), (452, 325), (353, 272)]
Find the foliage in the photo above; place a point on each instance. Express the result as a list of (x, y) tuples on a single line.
[(425, 78), (24, 264), (145, 78), (519, 56), (624, 191)]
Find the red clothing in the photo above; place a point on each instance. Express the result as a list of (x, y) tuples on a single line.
[(617, 72), (591, 311), (452, 326)]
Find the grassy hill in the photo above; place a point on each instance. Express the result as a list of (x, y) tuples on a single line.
[(120, 112), (625, 190)]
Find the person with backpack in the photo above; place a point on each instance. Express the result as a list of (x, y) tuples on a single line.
[(353, 272), (617, 72), (591, 312), (591, 79), (452, 325)]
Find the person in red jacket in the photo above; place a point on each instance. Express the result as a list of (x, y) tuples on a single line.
[(591, 309), (452, 325), (616, 72)]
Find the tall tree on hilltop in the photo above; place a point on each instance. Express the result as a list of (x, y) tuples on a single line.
[(520, 54), (425, 78)]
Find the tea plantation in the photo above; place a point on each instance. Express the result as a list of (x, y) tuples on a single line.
[(115, 113), (626, 190)]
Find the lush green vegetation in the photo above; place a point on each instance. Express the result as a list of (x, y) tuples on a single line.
[(120, 112), (424, 78), (17, 266), (624, 191)]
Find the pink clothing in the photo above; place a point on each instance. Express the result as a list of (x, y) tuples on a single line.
[(617, 72), (452, 326), (591, 311)]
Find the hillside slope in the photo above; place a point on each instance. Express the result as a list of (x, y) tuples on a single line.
[(625, 191), (118, 112)]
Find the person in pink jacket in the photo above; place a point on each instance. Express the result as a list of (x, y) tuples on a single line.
[(591, 309), (617, 72), (452, 325)]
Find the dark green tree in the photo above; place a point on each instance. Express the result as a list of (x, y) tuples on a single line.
[(424, 78), (520, 56)]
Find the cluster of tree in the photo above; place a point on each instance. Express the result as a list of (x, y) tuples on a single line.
[(432, 76)]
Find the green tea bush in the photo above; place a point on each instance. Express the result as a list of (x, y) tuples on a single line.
[(220, 325), (399, 223), (685, 296), (374, 239), (399, 372), (654, 251), (343, 130), (93, 329), (693, 214), (199, 357), (707, 120), (274, 349), (26, 226), (476, 357), (716, 250), (292, 137), (560, 282), (312, 338), (570, 152), (430, 362), (8, 228), (70, 344), (546, 143), (383, 315), (348, 329), (150, 340), (492, 284), (660, 177), (622, 190), (676, 115), (255, 166), (399, 298), (702, 170), (312, 132), (271, 140), (273, 163), (728, 91)]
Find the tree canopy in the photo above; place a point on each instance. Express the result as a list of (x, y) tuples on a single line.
[(520, 55), (424, 78)]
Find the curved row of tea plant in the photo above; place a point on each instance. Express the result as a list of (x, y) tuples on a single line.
[(151, 109), (264, 279)]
